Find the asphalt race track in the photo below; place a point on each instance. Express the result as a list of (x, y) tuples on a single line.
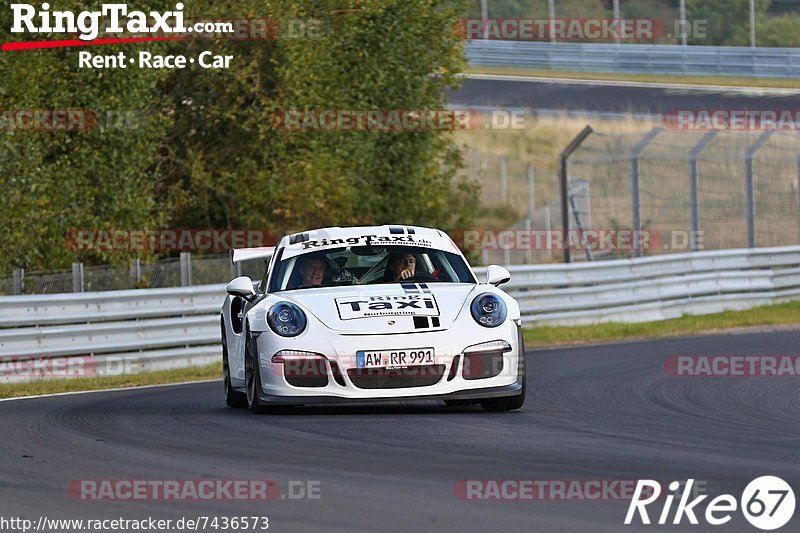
[(606, 412), (602, 98)]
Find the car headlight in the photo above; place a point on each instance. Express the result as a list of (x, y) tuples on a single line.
[(489, 310), (286, 319)]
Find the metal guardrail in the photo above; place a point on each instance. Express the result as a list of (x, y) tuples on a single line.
[(108, 333), (132, 331), (637, 58), (655, 288)]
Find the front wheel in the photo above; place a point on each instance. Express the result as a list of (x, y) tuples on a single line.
[(509, 403), (252, 377), (506, 403), (233, 398)]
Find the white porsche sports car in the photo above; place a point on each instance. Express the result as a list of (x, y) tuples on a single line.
[(370, 313)]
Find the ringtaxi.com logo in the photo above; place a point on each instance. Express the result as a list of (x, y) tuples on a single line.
[(767, 502)]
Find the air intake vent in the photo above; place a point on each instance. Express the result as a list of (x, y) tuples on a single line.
[(396, 378)]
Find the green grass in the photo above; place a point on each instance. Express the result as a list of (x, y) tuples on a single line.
[(770, 315), (651, 78), (54, 386)]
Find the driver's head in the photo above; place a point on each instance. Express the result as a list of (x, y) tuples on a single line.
[(312, 270), (402, 266)]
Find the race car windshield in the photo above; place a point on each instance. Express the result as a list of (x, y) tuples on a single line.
[(362, 265)]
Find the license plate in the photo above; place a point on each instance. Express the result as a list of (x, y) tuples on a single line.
[(394, 358)]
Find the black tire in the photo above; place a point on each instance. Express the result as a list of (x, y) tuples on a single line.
[(233, 398), (252, 376), (509, 403)]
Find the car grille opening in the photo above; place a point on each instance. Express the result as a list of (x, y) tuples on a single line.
[(482, 365), (306, 372), (396, 378)]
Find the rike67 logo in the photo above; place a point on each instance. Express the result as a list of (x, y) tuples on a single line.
[(767, 503)]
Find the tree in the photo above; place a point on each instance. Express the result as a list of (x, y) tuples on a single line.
[(206, 150), (98, 177), (231, 163), (728, 21)]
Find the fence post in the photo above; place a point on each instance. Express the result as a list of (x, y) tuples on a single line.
[(683, 22), (135, 272), (77, 277), (531, 209), (636, 224), (529, 240), (571, 147), (186, 269), (503, 183), (485, 17), (693, 186), (531, 198), (750, 187), (547, 229), (19, 280)]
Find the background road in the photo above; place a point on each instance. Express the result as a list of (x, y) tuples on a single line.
[(603, 412), (600, 97)]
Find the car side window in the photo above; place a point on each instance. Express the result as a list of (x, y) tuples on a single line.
[(268, 282)]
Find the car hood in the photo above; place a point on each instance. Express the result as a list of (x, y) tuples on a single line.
[(385, 308)]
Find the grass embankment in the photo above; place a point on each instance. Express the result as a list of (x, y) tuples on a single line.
[(161, 377)]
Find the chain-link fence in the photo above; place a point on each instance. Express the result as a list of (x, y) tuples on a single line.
[(635, 194), (187, 270), (692, 190), (515, 196)]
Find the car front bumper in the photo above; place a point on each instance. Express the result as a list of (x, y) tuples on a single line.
[(339, 351)]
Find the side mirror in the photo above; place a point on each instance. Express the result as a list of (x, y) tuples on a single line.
[(241, 286), (497, 275)]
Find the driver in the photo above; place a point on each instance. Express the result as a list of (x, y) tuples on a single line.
[(312, 270), (401, 266)]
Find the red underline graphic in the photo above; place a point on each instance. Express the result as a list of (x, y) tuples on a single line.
[(34, 45)]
